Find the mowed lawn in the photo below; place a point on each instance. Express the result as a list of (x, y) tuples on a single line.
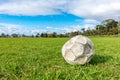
[(41, 59)]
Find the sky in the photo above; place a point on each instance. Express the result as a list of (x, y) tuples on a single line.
[(61, 16)]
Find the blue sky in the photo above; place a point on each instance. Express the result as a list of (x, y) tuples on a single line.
[(42, 21), (36, 16)]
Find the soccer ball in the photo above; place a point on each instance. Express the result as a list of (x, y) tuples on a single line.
[(78, 50)]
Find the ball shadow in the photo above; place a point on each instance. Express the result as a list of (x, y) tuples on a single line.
[(98, 59)]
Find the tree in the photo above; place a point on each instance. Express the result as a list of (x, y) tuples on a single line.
[(61, 35), (54, 34), (3, 35), (44, 35), (37, 35), (83, 29), (107, 27), (32, 35), (15, 35), (72, 34), (109, 24), (7, 35), (23, 35)]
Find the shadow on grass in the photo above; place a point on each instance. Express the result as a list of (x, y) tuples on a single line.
[(98, 59)]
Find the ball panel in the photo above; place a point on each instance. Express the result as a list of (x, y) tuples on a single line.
[(81, 60), (87, 49), (69, 56), (89, 58), (77, 49), (81, 40), (68, 45)]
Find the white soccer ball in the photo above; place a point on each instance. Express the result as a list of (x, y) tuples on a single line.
[(78, 50)]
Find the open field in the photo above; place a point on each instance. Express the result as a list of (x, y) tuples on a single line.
[(41, 59)]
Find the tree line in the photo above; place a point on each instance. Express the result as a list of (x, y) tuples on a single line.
[(44, 35), (107, 27)]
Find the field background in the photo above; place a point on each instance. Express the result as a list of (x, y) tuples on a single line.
[(41, 59)]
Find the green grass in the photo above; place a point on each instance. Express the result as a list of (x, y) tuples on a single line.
[(41, 59)]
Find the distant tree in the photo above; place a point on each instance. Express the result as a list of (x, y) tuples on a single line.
[(32, 35), (37, 35), (83, 29), (54, 34), (7, 35), (3, 35), (66, 34), (113, 31), (14, 35), (109, 24), (23, 35), (61, 35), (72, 34), (44, 35)]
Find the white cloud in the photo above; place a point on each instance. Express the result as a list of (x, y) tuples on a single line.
[(90, 21), (89, 26), (92, 10), (49, 27), (19, 29), (71, 28), (99, 9), (32, 7), (95, 9), (8, 28)]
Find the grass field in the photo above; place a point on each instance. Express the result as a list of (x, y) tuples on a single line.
[(41, 59)]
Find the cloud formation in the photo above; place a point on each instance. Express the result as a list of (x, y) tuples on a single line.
[(20, 29), (93, 12), (32, 7), (95, 9), (83, 8)]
